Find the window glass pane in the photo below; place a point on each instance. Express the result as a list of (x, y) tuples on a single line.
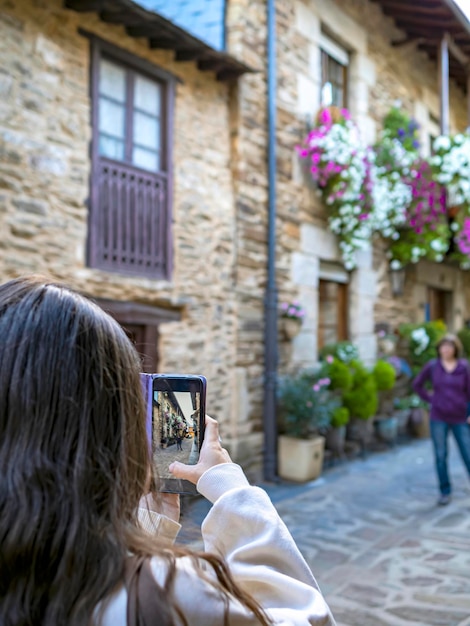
[(112, 118), (327, 95), (147, 95), (334, 79), (112, 80), (329, 336), (146, 159), (146, 131), (111, 148)]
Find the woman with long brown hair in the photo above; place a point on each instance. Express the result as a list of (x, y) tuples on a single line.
[(75, 548)]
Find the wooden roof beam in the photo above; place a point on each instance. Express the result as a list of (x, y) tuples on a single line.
[(458, 53), (85, 6)]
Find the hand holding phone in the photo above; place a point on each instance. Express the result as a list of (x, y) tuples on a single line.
[(211, 454), (176, 406)]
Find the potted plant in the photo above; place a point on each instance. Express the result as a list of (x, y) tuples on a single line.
[(292, 315), (340, 377), (418, 415), (305, 408), (362, 402), (336, 434), (421, 341), (386, 424)]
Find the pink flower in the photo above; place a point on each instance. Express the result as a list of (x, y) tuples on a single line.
[(316, 158), (325, 117), (316, 387), (329, 359), (363, 216)]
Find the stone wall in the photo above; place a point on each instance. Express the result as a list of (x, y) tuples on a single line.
[(44, 171), (220, 185), (246, 28), (379, 75)]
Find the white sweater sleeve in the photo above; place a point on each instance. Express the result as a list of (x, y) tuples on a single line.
[(244, 528)]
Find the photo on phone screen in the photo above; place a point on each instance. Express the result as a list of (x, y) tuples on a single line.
[(175, 424)]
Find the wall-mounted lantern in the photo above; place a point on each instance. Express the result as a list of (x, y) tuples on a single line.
[(397, 281)]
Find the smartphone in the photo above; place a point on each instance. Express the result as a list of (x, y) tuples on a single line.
[(176, 410)]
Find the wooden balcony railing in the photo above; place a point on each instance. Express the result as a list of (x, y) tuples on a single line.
[(129, 221)]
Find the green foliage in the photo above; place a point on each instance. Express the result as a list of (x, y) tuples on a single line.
[(305, 407), (413, 246), (385, 375), (339, 374), (340, 417), (422, 341), (399, 125), (362, 399), (344, 351), (464, 336), (410, 402)]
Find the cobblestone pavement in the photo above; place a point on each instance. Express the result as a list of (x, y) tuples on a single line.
[(383, 553)]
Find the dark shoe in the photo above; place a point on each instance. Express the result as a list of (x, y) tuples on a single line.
[(444, 499)]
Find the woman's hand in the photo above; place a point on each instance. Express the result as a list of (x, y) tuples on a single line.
[(167, 504), (211, 454)]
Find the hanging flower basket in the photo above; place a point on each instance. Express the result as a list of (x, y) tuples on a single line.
[(291, 327), (420, 207), (292, 314)]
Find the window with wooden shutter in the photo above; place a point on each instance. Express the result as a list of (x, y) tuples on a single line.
[(130, 207)]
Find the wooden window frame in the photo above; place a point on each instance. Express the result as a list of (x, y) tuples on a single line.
[(148, 317), (161, 253)]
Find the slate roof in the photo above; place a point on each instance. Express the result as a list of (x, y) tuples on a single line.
[(205, 19), (193, 29)]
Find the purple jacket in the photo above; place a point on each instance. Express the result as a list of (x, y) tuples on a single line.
[(450, 392)]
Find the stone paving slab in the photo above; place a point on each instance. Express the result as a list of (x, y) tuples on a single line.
[(383, 553)]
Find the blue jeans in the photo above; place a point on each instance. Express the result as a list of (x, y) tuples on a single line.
[(439, 432)]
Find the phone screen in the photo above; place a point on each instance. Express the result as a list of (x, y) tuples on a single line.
[(175, 424)]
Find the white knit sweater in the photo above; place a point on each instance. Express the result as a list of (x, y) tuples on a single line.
[(244, 528)]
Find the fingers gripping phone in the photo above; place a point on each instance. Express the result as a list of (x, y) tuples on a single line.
[(176, 409)]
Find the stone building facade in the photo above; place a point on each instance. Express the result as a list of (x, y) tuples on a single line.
[(207, 316)]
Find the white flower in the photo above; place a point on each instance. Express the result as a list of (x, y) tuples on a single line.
[(395, 264), (420, 337), (441, 143)]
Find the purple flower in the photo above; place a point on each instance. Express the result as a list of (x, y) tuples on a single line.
[(316, 387), (329, 359)]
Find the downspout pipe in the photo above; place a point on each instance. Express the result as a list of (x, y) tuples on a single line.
[(270, 304)]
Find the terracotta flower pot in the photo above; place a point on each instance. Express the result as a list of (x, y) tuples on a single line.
[(335, 438), (386, 429), (419, 423)]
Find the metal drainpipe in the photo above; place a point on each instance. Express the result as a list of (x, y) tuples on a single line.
[(270, 304), (444, 85)]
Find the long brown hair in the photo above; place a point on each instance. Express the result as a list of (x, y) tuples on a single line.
[(74, 460)]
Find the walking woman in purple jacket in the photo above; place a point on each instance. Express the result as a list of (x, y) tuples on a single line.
[(449, 394)]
